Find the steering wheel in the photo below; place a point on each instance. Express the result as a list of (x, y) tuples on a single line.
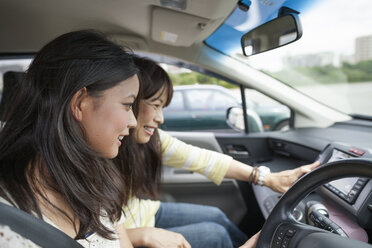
[(281, 228)]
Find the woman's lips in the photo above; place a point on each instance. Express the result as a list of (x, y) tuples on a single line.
[(149, 130)]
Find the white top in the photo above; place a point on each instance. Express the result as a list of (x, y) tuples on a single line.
[(8, 238)]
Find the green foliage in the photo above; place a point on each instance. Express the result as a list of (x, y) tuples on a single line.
[(360, 72), (329, 74), (198, 78)]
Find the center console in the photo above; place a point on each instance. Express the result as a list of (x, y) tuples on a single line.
[(348, 189)]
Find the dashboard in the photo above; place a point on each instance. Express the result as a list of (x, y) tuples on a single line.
[(348, 200)]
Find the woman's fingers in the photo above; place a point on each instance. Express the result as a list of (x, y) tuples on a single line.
[(308, 168), (252, 242), (186, 244)]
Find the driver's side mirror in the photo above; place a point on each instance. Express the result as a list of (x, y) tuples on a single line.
[(235, 120), (275, 33)]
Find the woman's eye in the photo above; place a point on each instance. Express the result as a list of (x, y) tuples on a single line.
[(128, 106)]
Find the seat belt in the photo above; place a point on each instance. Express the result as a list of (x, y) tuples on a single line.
[(34, 229)]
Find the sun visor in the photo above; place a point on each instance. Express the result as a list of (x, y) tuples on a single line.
[(176, 28), (132, 42)]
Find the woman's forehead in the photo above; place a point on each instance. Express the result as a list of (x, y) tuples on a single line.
[(161, 94)]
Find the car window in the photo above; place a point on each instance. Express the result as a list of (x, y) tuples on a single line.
[(6, 65), (177, 102), (12, 65), (200, 103), (209, 99), (221, 101), (274, 115), (199, 99)]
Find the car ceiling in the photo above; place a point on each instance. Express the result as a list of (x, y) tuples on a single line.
[(26, 26)]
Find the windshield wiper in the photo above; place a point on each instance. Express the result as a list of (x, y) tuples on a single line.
[(361, 117)]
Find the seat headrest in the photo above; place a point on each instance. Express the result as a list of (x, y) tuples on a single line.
[(11, 84)]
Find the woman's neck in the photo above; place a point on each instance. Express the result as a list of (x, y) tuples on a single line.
[(52, 204)]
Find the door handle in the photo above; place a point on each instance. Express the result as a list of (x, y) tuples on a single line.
[(237, 150)]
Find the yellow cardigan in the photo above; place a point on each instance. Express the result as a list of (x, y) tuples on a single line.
[(175, 153)]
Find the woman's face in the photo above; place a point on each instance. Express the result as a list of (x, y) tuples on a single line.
[(107, 119), (150, 116)]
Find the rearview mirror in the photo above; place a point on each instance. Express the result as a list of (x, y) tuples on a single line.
[(275, 33)]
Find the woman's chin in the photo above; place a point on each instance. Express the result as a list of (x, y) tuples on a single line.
[(143, 137)]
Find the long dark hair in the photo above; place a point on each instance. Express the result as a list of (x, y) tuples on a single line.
[(42, 144), (144, 160)]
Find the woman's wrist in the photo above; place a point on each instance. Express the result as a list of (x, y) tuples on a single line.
[(141, 236), (268, 181)]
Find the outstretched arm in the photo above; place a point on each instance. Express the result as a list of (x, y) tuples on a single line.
[(123, 237), (279, 181)]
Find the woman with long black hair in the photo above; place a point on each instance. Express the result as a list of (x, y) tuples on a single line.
[(62, 131)]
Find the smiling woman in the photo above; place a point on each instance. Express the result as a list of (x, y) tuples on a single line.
[(107, 120), (162, 224), (65, 124)]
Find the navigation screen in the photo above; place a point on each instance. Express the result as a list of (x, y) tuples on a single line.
[(344, 185), (338, 155)]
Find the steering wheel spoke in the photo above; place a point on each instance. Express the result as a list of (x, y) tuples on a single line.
[(289, 234), (281, 230)]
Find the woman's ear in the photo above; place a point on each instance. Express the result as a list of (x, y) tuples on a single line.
[(78, 102)]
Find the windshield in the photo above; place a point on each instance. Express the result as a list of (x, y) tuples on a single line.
[(332, 62)]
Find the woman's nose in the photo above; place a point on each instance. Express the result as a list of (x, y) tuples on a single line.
[(159, 118), (132, 120)]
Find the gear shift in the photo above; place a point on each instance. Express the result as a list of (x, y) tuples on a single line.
[(317, 215)]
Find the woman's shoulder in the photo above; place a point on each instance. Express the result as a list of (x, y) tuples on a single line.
[(164, 136), (10, 238)]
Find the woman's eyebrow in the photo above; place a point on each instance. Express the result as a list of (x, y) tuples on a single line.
[(134, 96)]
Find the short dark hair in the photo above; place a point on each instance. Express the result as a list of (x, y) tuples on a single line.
[(41, 135)]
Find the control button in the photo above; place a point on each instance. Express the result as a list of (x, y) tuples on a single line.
[(278, 238), (357, 151), (357, 186), (352, 193), (285, 243), (277, 243), (369, 207), (290, 233)]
